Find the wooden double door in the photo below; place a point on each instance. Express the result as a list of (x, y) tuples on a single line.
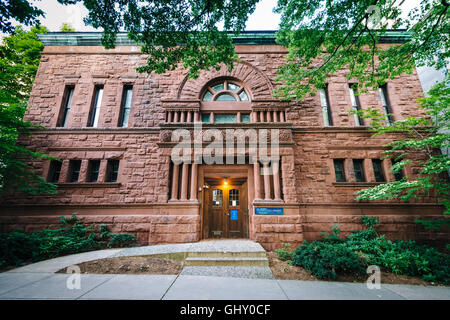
[(226, 210)]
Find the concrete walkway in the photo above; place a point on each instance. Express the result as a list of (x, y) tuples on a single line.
[(39, 281)]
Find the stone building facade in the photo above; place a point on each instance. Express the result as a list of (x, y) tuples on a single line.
[(114, 131)]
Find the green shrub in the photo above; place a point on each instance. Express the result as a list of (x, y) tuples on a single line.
[(73, 237), (333, 255), (400, 257), (326, 260), (284, 254)]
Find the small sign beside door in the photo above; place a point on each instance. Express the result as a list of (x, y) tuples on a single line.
[(233, 214), (278, 211)]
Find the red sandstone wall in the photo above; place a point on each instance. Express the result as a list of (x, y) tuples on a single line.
[(133, 204)]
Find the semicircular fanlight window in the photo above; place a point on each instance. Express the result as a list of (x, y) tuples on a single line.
[(225, 91)]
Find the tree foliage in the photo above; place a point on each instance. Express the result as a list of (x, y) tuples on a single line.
[(173, 31), (424, 135), (324, 37), (19, 59), (19, 10), (67, 27)]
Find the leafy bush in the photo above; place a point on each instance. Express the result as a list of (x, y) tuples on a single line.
[(73, 237), (333, 255), (284, 254), (326, 260)]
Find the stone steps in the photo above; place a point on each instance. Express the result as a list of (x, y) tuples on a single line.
[(227, 254), (227, 261)]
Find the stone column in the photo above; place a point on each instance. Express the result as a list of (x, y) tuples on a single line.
[(238, 117), (368, 170), (64, 174), (196, 116), (257, 177), (282, 118), (175, 173), (269, 115), (266, 181), (175, 116), (169, 116), (275, 116), (83, 175), (183, 116), (387, 168), (193, 195), (211, 117), (189, 116), (261, 116), (253, 117), (184, 181), (276, 180)]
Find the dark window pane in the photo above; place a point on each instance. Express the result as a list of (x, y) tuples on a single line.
[(126, 105), (54, 171), (208, 96), (225, 97), (243, 95), (325, 103), (245, 117), (398, 175), (233, 197), (95, 109), (233, 87), (205, 117), (378, 170), (112, 170), (385, 102), (68, 94), (74, 170), (217, 197), (339, 170), (355, 105), (359, 170), (225, 118), (218, 87), (94, 167)]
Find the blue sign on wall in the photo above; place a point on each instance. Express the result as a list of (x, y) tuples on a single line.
[(268, 211), (234, 214)]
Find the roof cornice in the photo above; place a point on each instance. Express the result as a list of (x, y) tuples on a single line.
[(245, 38)]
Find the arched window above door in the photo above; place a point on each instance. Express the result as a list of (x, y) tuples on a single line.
[(225, 90)]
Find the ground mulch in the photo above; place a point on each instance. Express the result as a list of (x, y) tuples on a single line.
[(283, 271), (131, 265)]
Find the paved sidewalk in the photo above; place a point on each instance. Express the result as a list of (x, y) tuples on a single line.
[(15, 285), (39, 281)]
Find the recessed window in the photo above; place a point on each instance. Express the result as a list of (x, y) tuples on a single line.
[(358, 168), (225, 118), (355, 105), (54, 171), (95, 109), (378, 170), (339, 170), (74, 170), (112, 170), (126, 105), (67, 102), (225, 91), (245, 117), (385, 102), (205, 117), (399, 174), (326, 111), (93, 170)]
